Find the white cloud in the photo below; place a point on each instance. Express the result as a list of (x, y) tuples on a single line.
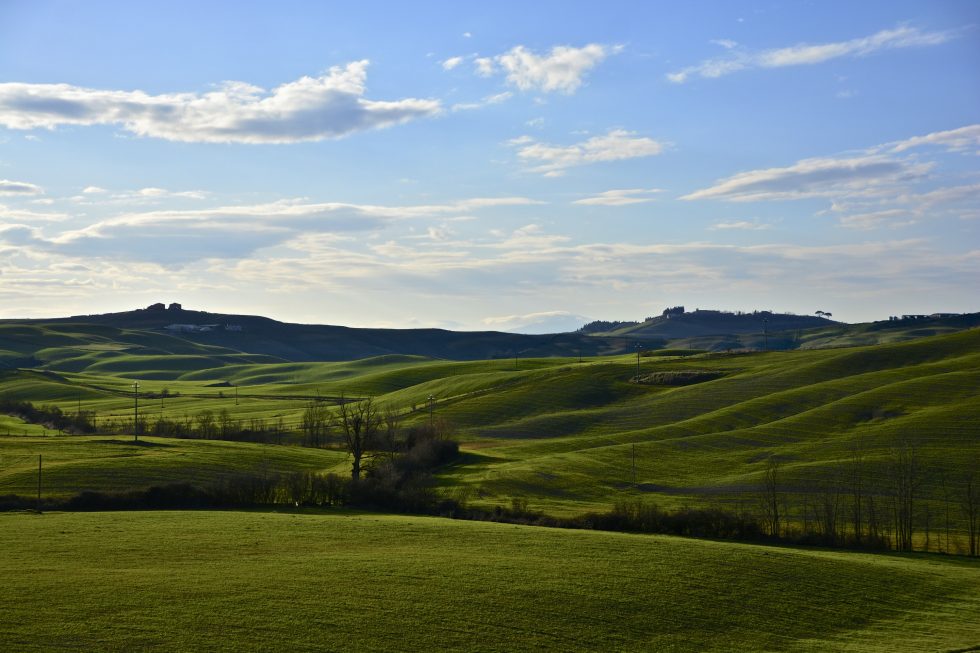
[(308, 109), (16, 216), (740, 225), (9, 187), (96, 196), (963, 139), (893, 217), (806, 54), (616, 145), (869, 189), (562, 69), (818, 177), (538, 322), (180, 237), (451, 63), (484, 66), (487, 101), (620, 197)]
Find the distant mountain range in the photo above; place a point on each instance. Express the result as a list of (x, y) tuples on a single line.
[(173, 329)]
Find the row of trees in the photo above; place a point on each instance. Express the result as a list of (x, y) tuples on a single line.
[(899, 500)]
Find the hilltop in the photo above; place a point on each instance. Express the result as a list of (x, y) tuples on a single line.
[(178, 330)]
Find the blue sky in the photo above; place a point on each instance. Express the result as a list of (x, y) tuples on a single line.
[(515, 166)]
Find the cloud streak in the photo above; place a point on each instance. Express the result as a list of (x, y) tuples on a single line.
[(308, 109), (8, 187), (615, 145), (818, 177), (804, 54), (177, 238), (620, 197)]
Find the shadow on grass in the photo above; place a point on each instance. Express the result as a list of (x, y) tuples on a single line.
[(137, 443)]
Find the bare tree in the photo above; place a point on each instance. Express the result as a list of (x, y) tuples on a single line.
[(857, 491), (905, 476), (315, 423), (770, 495), (360, 423), (828, 508), (970, 500)]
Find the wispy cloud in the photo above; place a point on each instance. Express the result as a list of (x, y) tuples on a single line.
[(620, 197), (881, 186), (964, 139), (487, 101), (451, 62), (95, 195), (8, 187), (807, 54), (179, 237), (562, 69), (538, 322), (818, 177), (744, 225), (616, 145), (308, 109)]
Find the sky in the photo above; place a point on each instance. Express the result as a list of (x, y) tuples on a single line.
[(509, 166)]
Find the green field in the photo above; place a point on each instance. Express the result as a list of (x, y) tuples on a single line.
[(232, 581), (568, 436), (558, 432)]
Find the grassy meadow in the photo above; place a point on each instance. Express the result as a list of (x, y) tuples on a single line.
[(230, 581), (569, 436)]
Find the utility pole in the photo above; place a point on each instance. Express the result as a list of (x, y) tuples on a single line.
[(639, 347), (136, 411), (432, 403), (39, 482)]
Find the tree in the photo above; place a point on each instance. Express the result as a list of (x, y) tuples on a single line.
[(359, 422), (315, 422), (970, 499), (905, 475), (770, 495)]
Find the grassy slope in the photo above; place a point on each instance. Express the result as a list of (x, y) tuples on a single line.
[(562, 433), (190, 581), (72, 464)]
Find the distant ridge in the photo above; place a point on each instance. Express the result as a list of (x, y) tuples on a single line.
[(173, 329)]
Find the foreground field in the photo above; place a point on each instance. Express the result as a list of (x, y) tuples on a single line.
[(262, 581)]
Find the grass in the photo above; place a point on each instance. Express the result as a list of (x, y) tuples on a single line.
[(562, 434), (73, 464), (229, 581)]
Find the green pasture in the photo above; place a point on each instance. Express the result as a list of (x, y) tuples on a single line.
[(71, 464), (230, 581), (564, 434)]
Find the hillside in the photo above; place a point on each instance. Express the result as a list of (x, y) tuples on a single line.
[(715, 323), (562, 434), (285, 341), (165, 581)]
